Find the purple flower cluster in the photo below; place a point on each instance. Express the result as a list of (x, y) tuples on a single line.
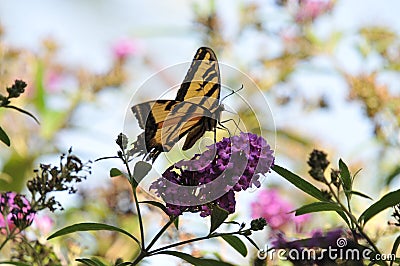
[(312, 251), (15, 212), (318, 239), (211, 178)]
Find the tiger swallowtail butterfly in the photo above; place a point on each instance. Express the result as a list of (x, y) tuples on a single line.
[(195, 110)]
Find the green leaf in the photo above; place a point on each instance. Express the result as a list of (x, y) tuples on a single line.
[(196, 261), (236, 243), (395, 172), (396, 245), (91, 262), (176, 223), (387, 201), (87, 262), (115, 172), (360, 194), (14, 263), (90, 227), (344, 217), (23, 111), (318, 207), (218, 216), (4, 138), (124, 263), (141, 170), (252, 242), (299, 182), (345, 176)]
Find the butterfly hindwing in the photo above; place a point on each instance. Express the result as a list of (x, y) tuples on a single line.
[(195, 110), (166, 122)]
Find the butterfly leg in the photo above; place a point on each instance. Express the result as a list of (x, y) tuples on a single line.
[(234, 121), (221, 126)]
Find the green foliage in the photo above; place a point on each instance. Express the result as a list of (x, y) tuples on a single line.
[(13, 92), (196, 261), (115, 172), (236, 243), (141, 170), (90, 227), (318, 207), (91, 262), (345, 177), (299, 182), (4, 138), (396, 245), (336, 204), (14, 263), (389, 200), (218, 216)]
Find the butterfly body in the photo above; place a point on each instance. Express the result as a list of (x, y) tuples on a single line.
[(195, 110)]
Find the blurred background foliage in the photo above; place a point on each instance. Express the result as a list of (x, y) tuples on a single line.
[(329, 85)]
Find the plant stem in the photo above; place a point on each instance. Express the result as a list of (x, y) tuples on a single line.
[(140, 218), (355, 222), (5, 242), (163, 229), (154, 252), (10, 235), (135, 199)]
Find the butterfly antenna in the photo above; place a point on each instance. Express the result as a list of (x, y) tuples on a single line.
[(233, 120), (232, 92)]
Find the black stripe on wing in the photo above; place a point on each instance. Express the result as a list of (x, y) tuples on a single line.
[(203, 55)]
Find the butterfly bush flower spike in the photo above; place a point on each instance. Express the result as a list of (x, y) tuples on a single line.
[(15, 212), (231, 165)]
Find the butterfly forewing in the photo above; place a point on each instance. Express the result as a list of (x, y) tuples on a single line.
[(194, 110), (202, 79)]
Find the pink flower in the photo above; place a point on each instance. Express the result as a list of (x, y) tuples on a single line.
[(44, 223), (53, 80), (276, 211), (300, 220), (15, 211), (124, 48), (309, 10)]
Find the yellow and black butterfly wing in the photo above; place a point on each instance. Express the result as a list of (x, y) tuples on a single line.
[(195, 110), (202, 86), (202, 80), (165, 123)]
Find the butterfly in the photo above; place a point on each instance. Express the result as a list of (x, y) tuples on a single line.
[(195, 110)]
